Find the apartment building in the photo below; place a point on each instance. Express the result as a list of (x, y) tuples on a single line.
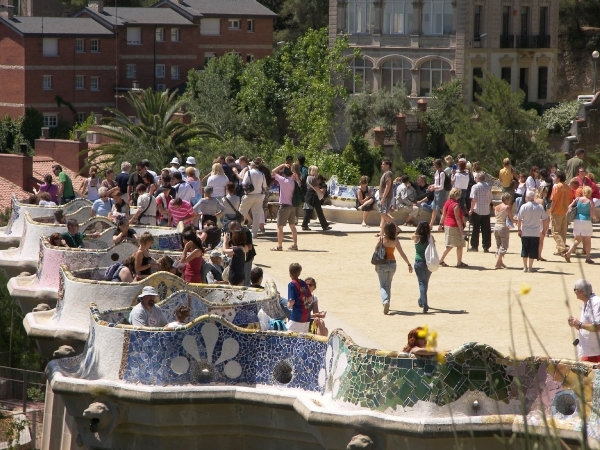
[(422, 43), (91, 60)]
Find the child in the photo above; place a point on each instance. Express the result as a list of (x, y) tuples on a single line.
[(318, 322), (182, 314), (299, 301)]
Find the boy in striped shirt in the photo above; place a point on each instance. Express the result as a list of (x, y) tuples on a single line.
[(299, 301), (180, 211)]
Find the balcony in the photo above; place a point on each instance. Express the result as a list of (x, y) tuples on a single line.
[(542, 41), (507, 41), (539, 41)]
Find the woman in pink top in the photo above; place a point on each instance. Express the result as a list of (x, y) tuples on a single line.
[(454, 227), (180, 211), (286, 212), (50, 188)]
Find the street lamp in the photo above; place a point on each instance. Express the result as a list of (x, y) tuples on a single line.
[(595, 55)]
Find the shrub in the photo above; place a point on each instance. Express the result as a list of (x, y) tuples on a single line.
[(557, 120)]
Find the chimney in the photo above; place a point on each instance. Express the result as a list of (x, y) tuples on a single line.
[(96, 5), (7, 11), (23, 148), (17, 169), (97, 119), (45, 132)]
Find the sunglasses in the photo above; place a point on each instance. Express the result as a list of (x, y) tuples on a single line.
[(310, 285)]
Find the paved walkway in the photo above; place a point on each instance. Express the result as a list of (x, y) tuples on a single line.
[(466, 305)]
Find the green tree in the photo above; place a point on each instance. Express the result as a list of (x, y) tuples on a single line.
[(299, 16), (157, 137), (359, 114), (497, 127), (10, 134), (32, 125), (387, 105), (439, 116), (557, 120)]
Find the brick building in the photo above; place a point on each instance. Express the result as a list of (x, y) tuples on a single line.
[(421, 43), (92, 58)]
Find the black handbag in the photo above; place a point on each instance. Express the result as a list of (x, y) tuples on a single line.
[(379, 256)]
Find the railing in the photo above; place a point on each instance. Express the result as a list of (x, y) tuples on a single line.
[(539, 41), (507, 41), (542, 41), (17, 386), (412, 123)]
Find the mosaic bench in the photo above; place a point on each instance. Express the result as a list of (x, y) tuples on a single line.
[(330, 384), (10, 235), (69, 324), (29, 290)]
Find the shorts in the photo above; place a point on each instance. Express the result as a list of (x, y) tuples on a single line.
[(530, 247), (385, 205), (454, 237), (439, 198), (298, 327), (582, 228), (286, 215)]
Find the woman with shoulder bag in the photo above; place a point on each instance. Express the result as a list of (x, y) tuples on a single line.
[(386, 271), (421, 238), (314, 194)]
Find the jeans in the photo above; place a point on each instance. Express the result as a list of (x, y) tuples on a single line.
[(423, 275), (386, 272), (427, 206)]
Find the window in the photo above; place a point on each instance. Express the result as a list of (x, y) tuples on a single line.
[(160, 71), (161, 87), (50, 46), (207, 57), (79, 82), (506, 20), (360, 16), (250, 23), (249, 58), (50, 120), (477, 73), (432, 74), (543, 21), (174, 34), (80, 117), (210, 27), (160, 34), (134, 35), (95, 83), (542, 83), (397, 17), (394, 72), (47, 83), (233, 24), (524, 20), (131, 70), (174, 72), (362, 75), (477, 22), (79, 45), (95, 45), (505, 74), (524, 82), (437, 17)]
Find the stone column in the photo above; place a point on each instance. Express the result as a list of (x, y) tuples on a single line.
[(379, 136), (377, 5), (417, 13), (415, 83), (401, 129)]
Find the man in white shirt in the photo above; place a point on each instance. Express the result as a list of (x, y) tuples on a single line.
[(146, 313), (479, 214), (588, 325), (406, 199), (253, 200), (184, 190), (146, 208), (532, 218)]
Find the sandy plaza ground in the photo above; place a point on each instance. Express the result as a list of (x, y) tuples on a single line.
[(466, 305)]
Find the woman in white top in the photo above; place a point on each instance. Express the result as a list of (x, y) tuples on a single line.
[(440, 194), (460, 180), (90, 186), (182, 314), (218, 180), (533, 182)]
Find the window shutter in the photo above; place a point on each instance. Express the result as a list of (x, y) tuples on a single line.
[(210, 27), (50, 46)]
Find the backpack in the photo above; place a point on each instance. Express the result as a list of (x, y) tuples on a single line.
[(112, 272), (447, 182), (298, 197), (431, 256)]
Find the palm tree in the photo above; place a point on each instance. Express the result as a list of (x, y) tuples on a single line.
[(157, 137)]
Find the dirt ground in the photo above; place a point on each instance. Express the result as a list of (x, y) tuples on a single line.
[(475, 304)]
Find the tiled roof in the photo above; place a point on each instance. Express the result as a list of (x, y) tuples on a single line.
[(42, 165), (225, 7), (142, 16), (57, 26), (7, 189)]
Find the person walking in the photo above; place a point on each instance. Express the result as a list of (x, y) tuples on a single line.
[(286, 212), (481, 198), (255, 186), (561, 198), (313, 197), (453, 221), (530, 217), (574, 164), (386, 271), (386, 193), (582, 225), (501, 229), (588, 324), (439, 189), (421, 240)]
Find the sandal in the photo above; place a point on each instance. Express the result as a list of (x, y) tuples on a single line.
[(461, 265), (293, 247), (589, 261), (277, 249), (542, 259), (443, 264)]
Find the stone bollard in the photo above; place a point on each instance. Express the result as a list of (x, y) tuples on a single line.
[(379, 136), (400, 128)]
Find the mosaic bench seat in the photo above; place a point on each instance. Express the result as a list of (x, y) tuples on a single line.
[(42, 287), (336, 386), (10, 235), (68, 323)]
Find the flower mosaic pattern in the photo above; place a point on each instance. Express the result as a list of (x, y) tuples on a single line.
[(16, 212), (336, 364)]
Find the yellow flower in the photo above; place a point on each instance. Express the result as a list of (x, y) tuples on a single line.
[(441, 358), (525, 289), (422, 334)]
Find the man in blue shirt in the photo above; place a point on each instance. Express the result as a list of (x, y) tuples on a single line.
[(299, 301)]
